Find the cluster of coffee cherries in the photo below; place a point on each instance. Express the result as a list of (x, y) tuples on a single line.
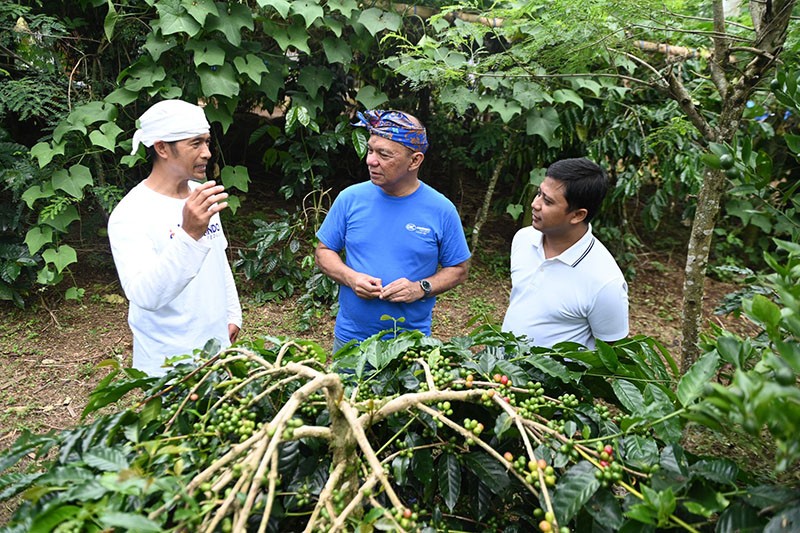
[(610, 470), (313, 406), (531, 469), (407, 518), (404, 450), (546, 521), (568, 448), (602, 411), (445, 408), (369, 399), (504, 390), (473, 426), (486, 398), (493, 524), (503, 380), (442, 370), (230, 421), (443, 375), (469, 381), (569, 400), (303, 496), (291, 425), (555, 425), (535, 400), (339, 500)]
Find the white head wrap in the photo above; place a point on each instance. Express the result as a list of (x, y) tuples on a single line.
[(170, 120)]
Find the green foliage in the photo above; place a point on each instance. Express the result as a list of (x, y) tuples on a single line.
[(32, 98), (764, 391), (537, 83), (16, 271), (272, 254), (762, 201), (411, 433), (531, 90), (571, 80), (17, 264), (230, 56), (304, 153), (622, 245), (280, 253), (657, 154), (319, 299), (31, 35), (279, 260)]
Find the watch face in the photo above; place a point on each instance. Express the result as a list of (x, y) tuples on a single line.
[(426, 285)]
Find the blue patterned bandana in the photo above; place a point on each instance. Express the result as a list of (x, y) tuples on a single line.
[(395, 126)]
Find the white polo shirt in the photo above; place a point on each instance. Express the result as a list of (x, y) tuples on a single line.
[(577, 296)]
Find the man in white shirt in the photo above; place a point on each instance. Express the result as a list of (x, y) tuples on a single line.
[(566, 286), (168, 244)]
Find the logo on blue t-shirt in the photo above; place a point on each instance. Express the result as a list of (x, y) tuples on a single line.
[(417, 229)]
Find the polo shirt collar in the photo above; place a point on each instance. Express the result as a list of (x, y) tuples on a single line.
[(573, 255)]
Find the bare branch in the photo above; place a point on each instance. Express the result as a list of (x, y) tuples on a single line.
[(706, 19), (682, 31), (752, 50), (554, 76), (684, 99), (643, 63), (371, 458)]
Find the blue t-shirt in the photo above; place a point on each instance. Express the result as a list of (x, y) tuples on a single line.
[(391, 237)]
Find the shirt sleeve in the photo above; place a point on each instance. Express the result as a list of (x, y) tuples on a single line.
[(333, 229), (453, 248), (233, 306), (153, 280), (608, 318)]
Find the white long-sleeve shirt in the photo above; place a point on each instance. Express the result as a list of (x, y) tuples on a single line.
[(181, 291)]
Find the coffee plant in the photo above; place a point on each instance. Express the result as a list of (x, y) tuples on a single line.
[(280, 254), (481, 433), (763, 391)]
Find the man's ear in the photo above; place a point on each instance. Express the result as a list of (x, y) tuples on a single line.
[(578, 216), (160, 148), (416, 160)]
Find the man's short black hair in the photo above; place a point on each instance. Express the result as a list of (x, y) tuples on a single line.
[(585, 183)]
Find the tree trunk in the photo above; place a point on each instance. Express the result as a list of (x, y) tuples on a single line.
[(483, 213), (708, 206)]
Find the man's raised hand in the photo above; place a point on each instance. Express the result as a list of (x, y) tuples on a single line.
[(202, 204)]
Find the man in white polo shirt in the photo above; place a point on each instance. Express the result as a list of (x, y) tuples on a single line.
[(566, 286)]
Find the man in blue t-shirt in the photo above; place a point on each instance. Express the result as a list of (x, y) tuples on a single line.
[(396, 232)]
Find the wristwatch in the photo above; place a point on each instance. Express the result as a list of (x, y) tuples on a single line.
[(426, 287)]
